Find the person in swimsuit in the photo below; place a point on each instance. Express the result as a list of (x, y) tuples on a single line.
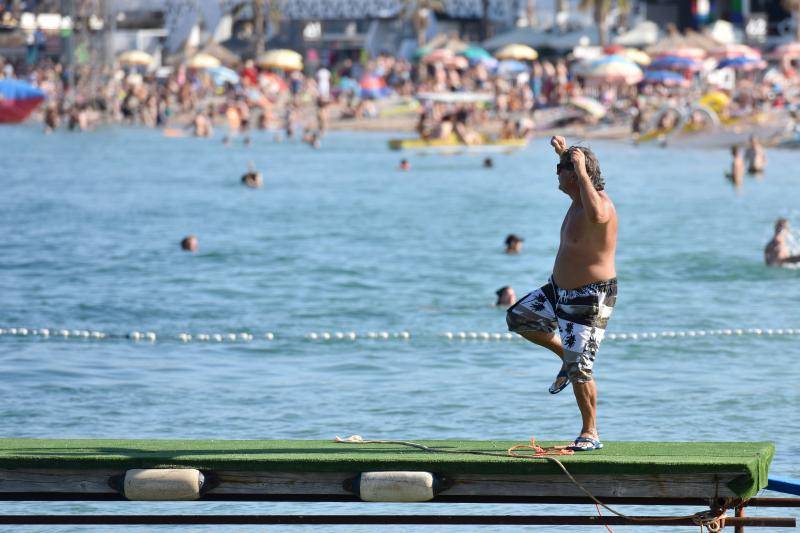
[(777, 252), (569, 314)]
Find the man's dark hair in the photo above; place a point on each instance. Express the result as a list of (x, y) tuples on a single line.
[(592, 165)]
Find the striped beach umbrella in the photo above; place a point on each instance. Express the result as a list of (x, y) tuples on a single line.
[(788, 50), (668, 78), (690, 52), (730, 51), (614, 69), (675, 63), (745, 64), (637, 56), (509, 66)]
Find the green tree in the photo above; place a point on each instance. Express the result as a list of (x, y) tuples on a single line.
[(794, 7), (601, 9)]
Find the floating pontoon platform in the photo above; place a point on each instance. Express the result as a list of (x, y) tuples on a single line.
[(717, 475)]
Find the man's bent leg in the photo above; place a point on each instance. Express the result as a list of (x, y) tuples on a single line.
[(551, 341)]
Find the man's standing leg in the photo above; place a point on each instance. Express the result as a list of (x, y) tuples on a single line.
[(586, 396)]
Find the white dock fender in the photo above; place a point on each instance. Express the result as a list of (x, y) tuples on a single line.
[(396, 486), (162, 484)]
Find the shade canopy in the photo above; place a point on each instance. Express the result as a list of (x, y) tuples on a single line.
[(614, 68), (281, 58), (518, 52), (135, 57), (203, 60)]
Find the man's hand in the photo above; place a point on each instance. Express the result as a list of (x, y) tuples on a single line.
[(579, 162), (559, 144)]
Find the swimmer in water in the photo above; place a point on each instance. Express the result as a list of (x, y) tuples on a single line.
[(488, 163), (513, 244), (251, 178), (755, 156), (189, 244), (405, 165), (736, 175), (506, 297), (777, 252)]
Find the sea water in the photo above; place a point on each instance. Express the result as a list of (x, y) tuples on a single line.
[(340, 240)]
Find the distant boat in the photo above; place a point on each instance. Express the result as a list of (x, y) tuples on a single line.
[(18, 99)]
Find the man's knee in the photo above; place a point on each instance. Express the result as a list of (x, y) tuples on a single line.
[(578, 373)]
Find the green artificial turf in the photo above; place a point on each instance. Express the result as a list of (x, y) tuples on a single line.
[(752, 459)]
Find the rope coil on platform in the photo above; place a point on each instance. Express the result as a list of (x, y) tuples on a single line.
[(352, 336)]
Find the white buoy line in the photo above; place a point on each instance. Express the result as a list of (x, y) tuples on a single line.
[(325, 336)]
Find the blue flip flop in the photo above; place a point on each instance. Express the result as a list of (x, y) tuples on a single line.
[(595, 445), (556, 389)]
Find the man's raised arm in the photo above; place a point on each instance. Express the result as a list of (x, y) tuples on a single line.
[(594, 205), (559, 144)]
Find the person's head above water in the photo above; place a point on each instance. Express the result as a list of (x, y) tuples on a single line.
[(781, 224), (488, 163), (513, 244), (404, 164), (189, 244), (566, 168), (505, 296)]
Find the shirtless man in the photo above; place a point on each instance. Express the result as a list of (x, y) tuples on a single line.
[(777, 252), (569, 314)]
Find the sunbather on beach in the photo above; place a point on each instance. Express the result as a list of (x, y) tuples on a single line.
[(569, 314)]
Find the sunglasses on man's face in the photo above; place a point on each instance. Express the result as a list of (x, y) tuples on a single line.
[(568, 166)]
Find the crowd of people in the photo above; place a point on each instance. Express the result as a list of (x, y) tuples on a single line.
[(513, 103)]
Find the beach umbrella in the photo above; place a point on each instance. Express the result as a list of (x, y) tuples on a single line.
[(372, 86), (689, 52), (665, 77), (281, 58), (789, 50), (614, 69), (222, 75), (730, 51), (440, 55), (636, 55), (745, 64), (135, 57), (509, 66), (675, 63), (18, 99), (202, 60), (475, 53), (613, 49), (519, 52), (588, 105)]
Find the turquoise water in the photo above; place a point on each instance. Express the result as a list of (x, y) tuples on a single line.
[(338, 240)]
